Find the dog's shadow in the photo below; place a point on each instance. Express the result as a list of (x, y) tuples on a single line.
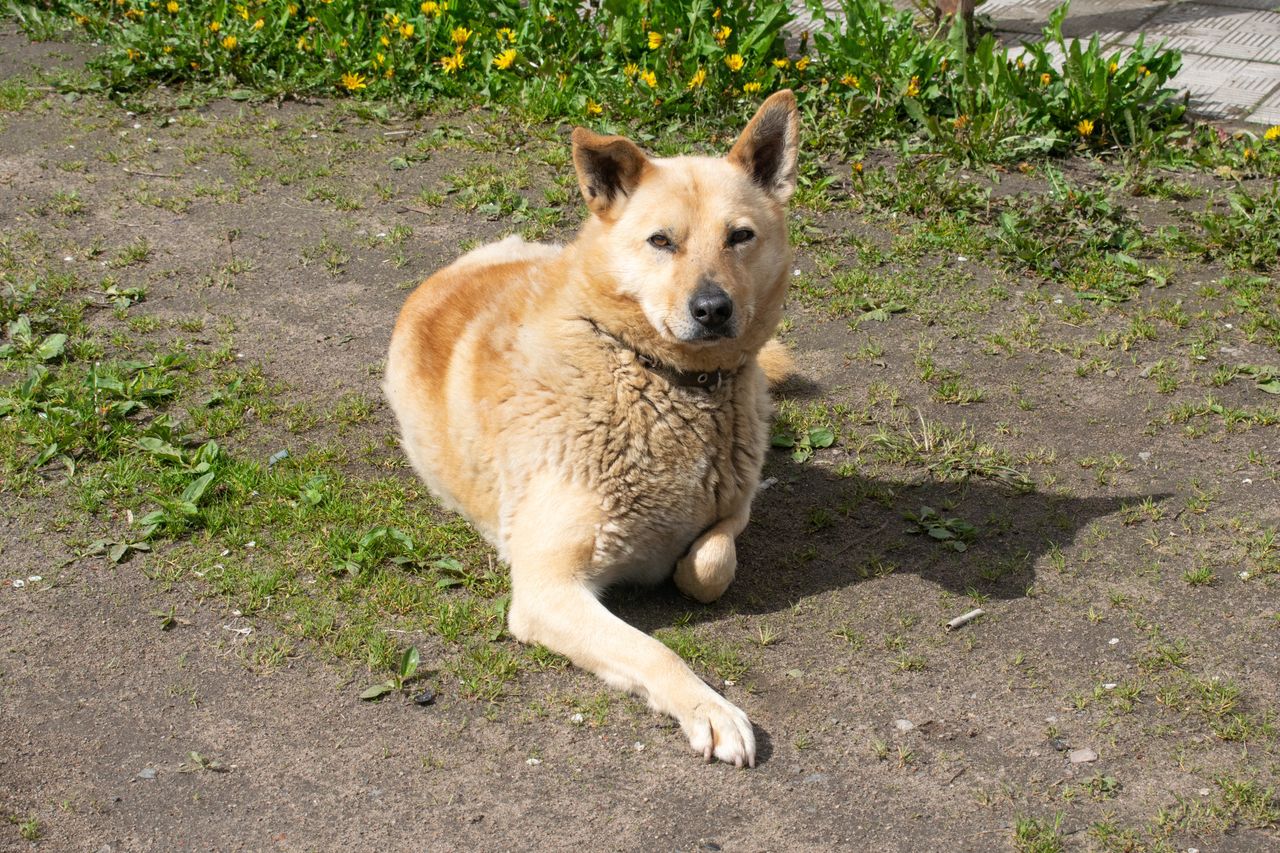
[(813, 531)]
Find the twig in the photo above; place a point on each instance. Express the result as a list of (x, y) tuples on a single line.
[(417, 210), (965, 619), (150, 174)]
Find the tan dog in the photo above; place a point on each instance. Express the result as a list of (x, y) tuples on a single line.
[(599, 411)]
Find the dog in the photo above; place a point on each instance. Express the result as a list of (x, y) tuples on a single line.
[(599, 411)]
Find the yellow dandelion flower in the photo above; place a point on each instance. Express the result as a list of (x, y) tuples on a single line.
[(504, 60), (655, 40), (851, 80), (782, 63), (734, 61), (243, 12), (378, 59), (722, 34), (135, 14), (1022, 64), (1113, 68), (168, 48), (593, 108), (195, 66), (311, 19), (354, 82), (1045, 78), (1273, 133), (913, 88), (460, 35), (230, 42), (406, 31), (344, 44), (857, 168), (650, 79), (134, 55), (291, 9), (214, 27), (80, 19), (1248, 154), (631, 69), (1085, 127), (960, 122), (699, 77), (802, 63), (259, 24), (384, 41), (393, 20), (750, 88), (430, 9), (451, 64), (302, 44), (389, 73), (172, 6), (506, 34), (716, 14)]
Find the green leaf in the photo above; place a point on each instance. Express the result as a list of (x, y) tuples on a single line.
[(117, 552), (409, 663), (379, 690), (52, 347), (821, 437), (196, 490), (782, 439)]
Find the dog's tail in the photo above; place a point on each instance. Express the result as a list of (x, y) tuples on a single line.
[(776, 362)]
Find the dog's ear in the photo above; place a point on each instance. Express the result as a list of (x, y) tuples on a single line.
[(766, 150), (609, 167)]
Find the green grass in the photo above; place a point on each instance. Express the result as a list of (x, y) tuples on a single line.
[(868, 71)]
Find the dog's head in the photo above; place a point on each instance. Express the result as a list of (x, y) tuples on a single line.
[(693, 250)]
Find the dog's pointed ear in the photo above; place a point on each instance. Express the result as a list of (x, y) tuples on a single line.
[(609, 168), (767, 148)]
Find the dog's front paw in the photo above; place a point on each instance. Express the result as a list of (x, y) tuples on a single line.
[(708, 569), (717, 727)]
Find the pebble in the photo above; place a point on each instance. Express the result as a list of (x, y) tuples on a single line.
[(903, 725), (1082, 756), (577, 719), (1113, 641), (147, 773), (533, 762)]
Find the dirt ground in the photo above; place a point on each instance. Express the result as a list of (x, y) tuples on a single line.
[(1110, 698)]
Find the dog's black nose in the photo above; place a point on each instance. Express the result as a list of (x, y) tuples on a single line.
[(711, 307)]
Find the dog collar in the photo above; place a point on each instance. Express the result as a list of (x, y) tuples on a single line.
[(708, 380)]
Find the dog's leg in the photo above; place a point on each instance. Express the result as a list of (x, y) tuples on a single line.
[(550, 548), (706, 571)]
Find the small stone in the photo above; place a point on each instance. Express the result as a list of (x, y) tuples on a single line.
[(1114, 641), (533, 762), (19, 583), (426, 697), (1110, 685), (1082, 756), (815, 778), (35, 579), (147, 773), (638, 746), (903, 725), (1145, 455), (794, 673), (577, 719)]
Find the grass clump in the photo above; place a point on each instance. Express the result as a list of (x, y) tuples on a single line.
[(868, 71)]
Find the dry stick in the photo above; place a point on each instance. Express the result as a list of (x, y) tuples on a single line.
[(965, 619), (150, 174)]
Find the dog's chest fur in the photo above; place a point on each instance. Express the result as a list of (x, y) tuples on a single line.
[(665, 461)]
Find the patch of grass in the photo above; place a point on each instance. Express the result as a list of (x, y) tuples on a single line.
[(716, 655), (1038, 835)]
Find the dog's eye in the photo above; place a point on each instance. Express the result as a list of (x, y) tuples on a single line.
[(741, 235), (660, 241)]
